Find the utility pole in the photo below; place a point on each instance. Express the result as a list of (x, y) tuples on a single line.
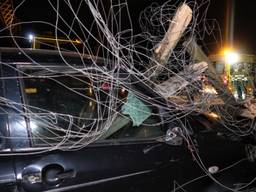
[(229, 23)]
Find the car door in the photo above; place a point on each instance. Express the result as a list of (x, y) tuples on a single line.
[(59, 159), (7, 171), (111, 167), (220, 162), (7, 174)]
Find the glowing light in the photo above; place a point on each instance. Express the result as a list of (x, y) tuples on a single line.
[(123, 90), (231, 57), (225, 80), (31, 37), (90, 91), (78, 41), (213, 115), (209, 90)]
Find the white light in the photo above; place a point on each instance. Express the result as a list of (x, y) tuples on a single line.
[(31, 37), (209, 90), (232, 57)]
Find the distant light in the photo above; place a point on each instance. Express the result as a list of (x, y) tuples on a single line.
[(78, 41), (123, 90), (209, 90), (31, 37), (213, 115), (90, 91), (225, 80), (231, 57)]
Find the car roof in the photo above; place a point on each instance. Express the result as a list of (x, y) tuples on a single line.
[(44, 56), (28, 57)]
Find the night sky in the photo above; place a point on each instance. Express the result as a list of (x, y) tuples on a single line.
[(245, 25), (245, 19)]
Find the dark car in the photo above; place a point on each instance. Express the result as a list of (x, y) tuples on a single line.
[(50, 106)]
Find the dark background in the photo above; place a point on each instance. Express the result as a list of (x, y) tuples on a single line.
[(244, 30)]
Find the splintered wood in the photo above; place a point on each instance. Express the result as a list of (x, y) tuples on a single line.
[(180, 80), (169, 88), (177, 26)]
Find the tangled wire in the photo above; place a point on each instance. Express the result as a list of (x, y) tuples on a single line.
[(73, 103)]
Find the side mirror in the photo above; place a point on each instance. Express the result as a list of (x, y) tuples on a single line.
[(174, 136)]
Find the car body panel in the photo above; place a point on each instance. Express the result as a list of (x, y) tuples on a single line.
[(101, 164), (111, 165)]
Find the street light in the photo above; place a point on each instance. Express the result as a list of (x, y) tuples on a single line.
[(31, 37), (231, 57)]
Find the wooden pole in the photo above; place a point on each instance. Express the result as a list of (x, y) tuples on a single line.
[(198, 55), (163, 50)]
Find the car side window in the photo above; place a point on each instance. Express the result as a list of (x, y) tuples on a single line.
[(54, 105), (61, 103), (5, 108)]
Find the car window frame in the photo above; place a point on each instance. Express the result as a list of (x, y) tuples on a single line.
[(25, 100), (16, 135), (119, 141), (6, 146)]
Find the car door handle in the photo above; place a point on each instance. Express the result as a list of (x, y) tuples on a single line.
[(55, 174), (51, 175), (66, 175)]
